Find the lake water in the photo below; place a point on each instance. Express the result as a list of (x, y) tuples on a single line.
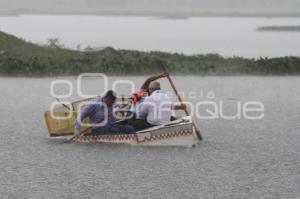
[(237, 159), (226, 36)]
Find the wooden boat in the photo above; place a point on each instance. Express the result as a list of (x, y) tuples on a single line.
[(176, 133), (180, 132)]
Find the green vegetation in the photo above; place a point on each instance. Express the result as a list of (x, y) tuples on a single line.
[(18, 57)]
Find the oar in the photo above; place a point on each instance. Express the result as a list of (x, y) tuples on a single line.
[(64, 105), (181, 101), (76, 136), (84, 131)]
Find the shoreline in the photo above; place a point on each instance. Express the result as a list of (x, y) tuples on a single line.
[(21, 58), (162, 15), (144, 75), (279, 28)]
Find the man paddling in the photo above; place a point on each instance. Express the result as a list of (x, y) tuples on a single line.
[(100, 113), (154, 109)]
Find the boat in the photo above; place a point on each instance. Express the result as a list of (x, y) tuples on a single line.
[(176, 133), (179, 132)]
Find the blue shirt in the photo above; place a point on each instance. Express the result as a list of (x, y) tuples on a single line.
[(95, 111)]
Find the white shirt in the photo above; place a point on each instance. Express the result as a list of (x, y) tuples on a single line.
[(156, 108)]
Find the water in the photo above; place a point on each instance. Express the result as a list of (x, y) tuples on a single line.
[(237, 159), (226, 36)]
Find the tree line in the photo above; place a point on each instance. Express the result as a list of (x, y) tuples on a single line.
[(18, 57)]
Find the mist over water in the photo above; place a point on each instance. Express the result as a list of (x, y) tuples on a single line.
[(226, 36), (237, 159)]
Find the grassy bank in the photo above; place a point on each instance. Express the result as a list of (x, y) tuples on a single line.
[(18, 57)]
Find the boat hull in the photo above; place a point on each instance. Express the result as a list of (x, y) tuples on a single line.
[(177, 133), (181, 132)]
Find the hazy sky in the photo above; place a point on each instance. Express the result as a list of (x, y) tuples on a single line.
[(149, 6)]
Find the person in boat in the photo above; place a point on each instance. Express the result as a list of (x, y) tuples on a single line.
[(100, 113), (154, 109)]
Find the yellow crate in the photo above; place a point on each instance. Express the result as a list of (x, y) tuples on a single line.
[(60, 121)]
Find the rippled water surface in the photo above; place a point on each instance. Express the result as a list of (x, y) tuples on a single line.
[(237, 159)]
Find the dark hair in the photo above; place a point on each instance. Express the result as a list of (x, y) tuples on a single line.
[(111, 95)]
